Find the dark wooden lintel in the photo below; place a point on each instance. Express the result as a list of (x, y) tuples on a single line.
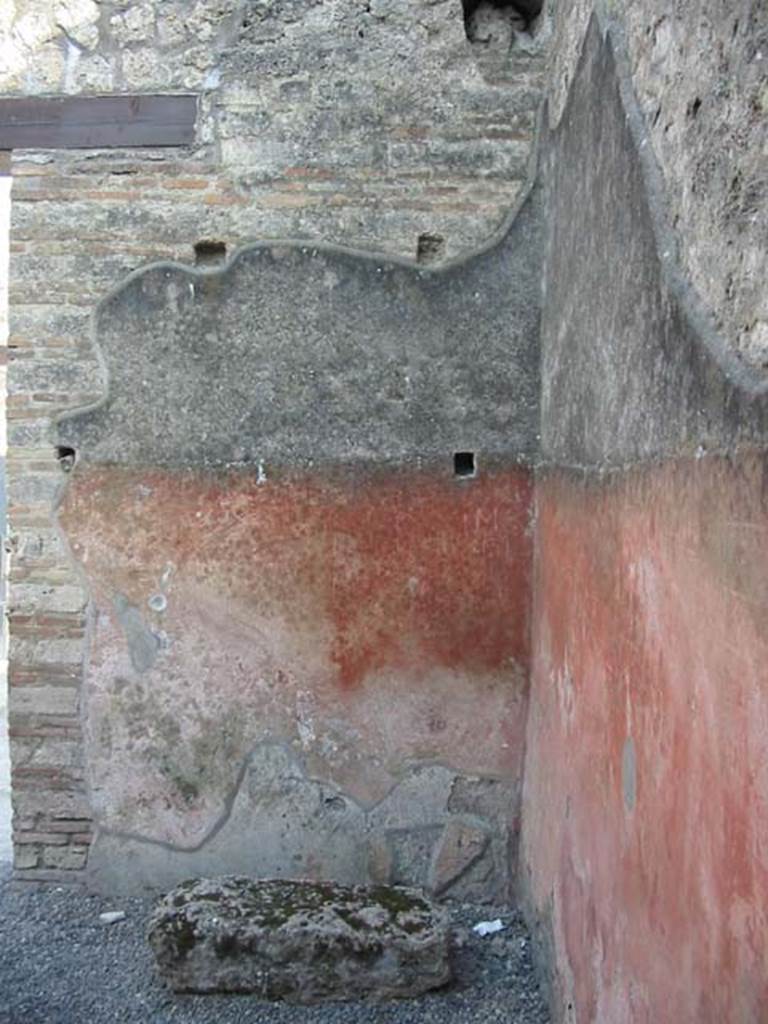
[(95, 122)]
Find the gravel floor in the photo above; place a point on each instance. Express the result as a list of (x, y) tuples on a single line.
[(60, 965)]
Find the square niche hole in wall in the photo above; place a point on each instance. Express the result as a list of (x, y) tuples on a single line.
[(430, 248), (208, 253), (464, 464)]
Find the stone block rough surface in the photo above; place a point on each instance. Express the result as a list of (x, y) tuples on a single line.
[(303, 942)]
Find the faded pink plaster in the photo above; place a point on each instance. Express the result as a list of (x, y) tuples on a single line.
[(650, 612), (371, 623)]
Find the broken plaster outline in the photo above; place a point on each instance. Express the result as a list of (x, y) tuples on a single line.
[(528, 193), (229, 801), (745, 379)]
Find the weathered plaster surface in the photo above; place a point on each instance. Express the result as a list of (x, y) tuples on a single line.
[(283, 563), (644, 797), (631, 368), (367, 626), (699, 72), (280, 822), (646, 794), (367, 622), (296, 355)]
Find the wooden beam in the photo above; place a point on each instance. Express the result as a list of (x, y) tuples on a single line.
[(95, 122)]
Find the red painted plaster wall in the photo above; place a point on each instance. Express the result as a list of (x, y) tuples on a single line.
[(645, 831), (374, 622)]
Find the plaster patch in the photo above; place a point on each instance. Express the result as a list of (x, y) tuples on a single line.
[(629, 774), (143, 645)]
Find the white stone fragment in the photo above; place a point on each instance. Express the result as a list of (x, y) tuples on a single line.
[(488, 927), (112, 916)]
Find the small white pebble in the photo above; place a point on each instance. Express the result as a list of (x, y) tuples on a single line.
[(112, 916), (488, 927)]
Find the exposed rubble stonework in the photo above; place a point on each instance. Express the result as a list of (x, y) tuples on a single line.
[(301, 942)]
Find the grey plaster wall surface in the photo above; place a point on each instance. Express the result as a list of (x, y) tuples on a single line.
[(700, 73), (631, 366), (300, 355)]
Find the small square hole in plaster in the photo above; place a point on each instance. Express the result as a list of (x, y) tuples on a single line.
[(208, 253), (66, 457), (464, 464), (430, 248)]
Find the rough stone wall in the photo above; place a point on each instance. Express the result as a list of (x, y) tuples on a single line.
[(699, 71), (372, 124)]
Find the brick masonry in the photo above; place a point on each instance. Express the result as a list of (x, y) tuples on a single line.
[(5, 766), (373, 125)]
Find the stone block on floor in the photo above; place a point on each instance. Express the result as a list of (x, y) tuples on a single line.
[(299, 941)]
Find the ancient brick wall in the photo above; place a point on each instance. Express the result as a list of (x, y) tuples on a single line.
[(643, 807), (376, 124), (5, 765)]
